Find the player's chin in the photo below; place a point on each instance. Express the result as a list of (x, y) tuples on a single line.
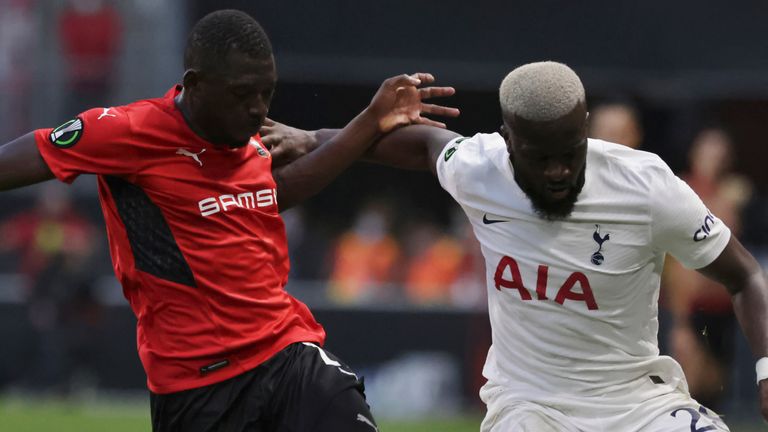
[(241, 139), (237, 144), (253, 127), (560, 200)]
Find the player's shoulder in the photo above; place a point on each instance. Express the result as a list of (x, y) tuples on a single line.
[(485, 142), (143, 113), (118, 126), (623, 155), (469, 162), (625, 164), (477, 149)]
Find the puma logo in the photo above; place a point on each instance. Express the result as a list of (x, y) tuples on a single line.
[(105, 114), (195, 156)]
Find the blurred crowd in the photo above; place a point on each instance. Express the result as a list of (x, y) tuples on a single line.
[(421, 262), (88, 36), (50, 246)]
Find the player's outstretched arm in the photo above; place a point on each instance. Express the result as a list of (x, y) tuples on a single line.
[(741, 274), (286, 143), (415, 147), (21, 163), (398, 102)]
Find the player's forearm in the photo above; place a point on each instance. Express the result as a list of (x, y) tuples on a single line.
[(745, 280), (334, 151), (322, 137), (750, 304), (403, 148), (21, 163), (314, 140)]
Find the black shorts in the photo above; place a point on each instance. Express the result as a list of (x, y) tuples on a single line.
[(301, 388)]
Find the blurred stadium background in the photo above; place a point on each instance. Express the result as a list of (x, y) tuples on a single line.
[(382, 257)]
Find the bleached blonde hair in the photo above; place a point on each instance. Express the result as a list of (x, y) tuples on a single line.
[(540, 91)]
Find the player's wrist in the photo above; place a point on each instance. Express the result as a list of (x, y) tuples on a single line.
[(373, 120), (761, 369), (308, 142)]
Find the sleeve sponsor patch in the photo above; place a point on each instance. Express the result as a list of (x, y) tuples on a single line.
[(68, 134), (705, 228), (452, 150)]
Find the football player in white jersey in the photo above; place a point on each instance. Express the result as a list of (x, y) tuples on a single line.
[(574, 232)]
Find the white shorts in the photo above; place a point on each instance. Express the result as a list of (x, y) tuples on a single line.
[(671, 412)]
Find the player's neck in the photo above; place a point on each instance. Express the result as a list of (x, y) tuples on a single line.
[(183, 105)]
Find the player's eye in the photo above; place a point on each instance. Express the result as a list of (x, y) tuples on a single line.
[(240, 91), (268, 93)]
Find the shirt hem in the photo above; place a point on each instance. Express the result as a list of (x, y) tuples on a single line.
[(239, 366)]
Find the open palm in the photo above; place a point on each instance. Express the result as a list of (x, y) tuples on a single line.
[(399, 102)]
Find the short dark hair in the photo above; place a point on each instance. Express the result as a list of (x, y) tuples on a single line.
[(220, 32)]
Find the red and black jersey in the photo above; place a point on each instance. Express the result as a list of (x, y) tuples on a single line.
[(195, 236)]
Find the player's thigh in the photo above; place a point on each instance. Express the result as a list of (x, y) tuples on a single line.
[(219, 406), (689, 417), (347, 412), (313, 385), (240, 403), (526, 417)]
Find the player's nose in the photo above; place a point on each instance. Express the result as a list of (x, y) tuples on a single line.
[(257, 111), (556, 172), (257, 108)]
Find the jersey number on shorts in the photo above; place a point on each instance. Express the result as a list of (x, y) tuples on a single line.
[(696, 416)]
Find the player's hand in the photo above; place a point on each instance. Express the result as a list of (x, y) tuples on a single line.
[(399, 102), (763, 394), (285, 143)]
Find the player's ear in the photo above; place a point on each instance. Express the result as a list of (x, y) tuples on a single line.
[(504, 131), (191, 78), (586, 123)]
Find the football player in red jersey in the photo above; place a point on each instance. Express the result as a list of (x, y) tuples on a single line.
[(191, 201)]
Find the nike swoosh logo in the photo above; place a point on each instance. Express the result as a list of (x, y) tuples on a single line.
[(492, 221)]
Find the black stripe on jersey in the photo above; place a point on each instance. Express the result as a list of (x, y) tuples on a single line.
[(154, 249)]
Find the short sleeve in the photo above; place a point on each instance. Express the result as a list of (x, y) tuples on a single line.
[(682, 224), (98, 141), (447, 166)]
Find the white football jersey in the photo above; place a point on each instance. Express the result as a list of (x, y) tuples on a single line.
[(573, 304)]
